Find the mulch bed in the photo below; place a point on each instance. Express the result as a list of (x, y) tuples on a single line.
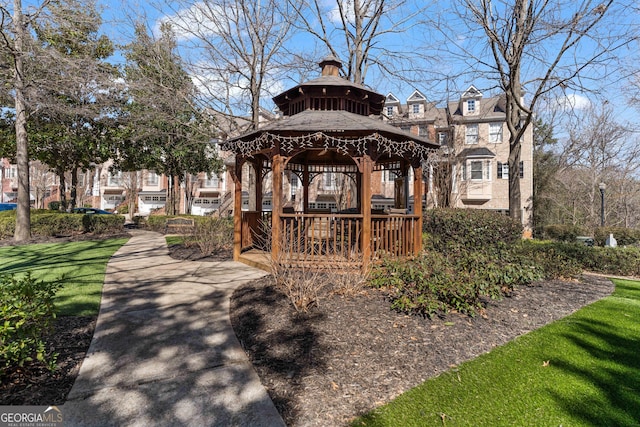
[(351, 354), (343, 358), (34, 384)]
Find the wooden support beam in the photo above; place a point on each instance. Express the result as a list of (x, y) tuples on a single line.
[(236, 175), (417, 208), (366, 193), (276, 205)]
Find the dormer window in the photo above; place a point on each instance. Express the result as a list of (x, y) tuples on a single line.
[(390, 111), (471, 106), (415, 108)]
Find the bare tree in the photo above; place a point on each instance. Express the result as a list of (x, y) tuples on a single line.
[(533, 50), (603, 150), (42, 179), (361, 32), (234, 49)]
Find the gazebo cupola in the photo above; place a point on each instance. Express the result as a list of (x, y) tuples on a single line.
[(330, 92), (330, 126)]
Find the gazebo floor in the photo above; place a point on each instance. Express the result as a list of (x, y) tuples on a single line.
[(262, 260), (256, 258)]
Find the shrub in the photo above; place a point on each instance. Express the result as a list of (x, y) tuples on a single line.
[(156, 222), (52, 223), (563, 232), (7, 224), (102, 224), (27, 312), (54, 206), (211, 235), (556, 260), (624, 236), (434, 283), (619, 261), (471, 229)]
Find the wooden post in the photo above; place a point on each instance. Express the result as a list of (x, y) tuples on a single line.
[(236, 175), (417, 208), (257, 167), (276, 206), (305, 186), (365, 192)]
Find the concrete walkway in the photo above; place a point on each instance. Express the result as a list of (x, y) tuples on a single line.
[(164, 352)]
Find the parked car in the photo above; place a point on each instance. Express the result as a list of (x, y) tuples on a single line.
[(8, 206), (91, 211)]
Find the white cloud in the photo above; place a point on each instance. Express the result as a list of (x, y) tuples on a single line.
[(201, 20), (574, 101)]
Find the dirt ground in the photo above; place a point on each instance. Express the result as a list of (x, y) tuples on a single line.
[(345, 357)]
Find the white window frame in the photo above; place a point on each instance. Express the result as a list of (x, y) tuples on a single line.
[(472, 134), (388, 175), (495, 133), (213, 181), (442, 138), (390, 111), (415, 108), (503, 170), (471, 106), (152, 178), (485, 170), (115, 179), (11, 172), (330, 181)]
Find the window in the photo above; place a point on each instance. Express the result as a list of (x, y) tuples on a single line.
[(476, 170), (415, 108), (442, 138), (152, 178), (295, 184), (495, 132), (389, 111), (329, 181), (471, 106), (11, 172), (503, 170), (388, 176), (472, 134), (423, 131), (212, 181), (115, 178)]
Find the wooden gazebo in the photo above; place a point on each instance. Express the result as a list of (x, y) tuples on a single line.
[(330, 125)]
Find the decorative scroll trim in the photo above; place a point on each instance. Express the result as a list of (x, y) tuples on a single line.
[(346, 146)]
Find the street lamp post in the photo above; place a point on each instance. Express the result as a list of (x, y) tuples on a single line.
[(602, 186)]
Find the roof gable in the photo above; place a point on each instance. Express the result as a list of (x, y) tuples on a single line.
[(416, 96), (391, 99), (472, 92)]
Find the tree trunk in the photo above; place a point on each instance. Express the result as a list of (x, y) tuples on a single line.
[(63, 191), (23, 214), (74, 189)]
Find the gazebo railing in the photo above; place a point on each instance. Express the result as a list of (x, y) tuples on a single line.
[(393, 235), (332, 238)]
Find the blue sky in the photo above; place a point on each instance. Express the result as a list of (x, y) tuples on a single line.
[(119, 14)]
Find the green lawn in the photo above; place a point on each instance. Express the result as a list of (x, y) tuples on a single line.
[(583, 370), (82, 264)]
